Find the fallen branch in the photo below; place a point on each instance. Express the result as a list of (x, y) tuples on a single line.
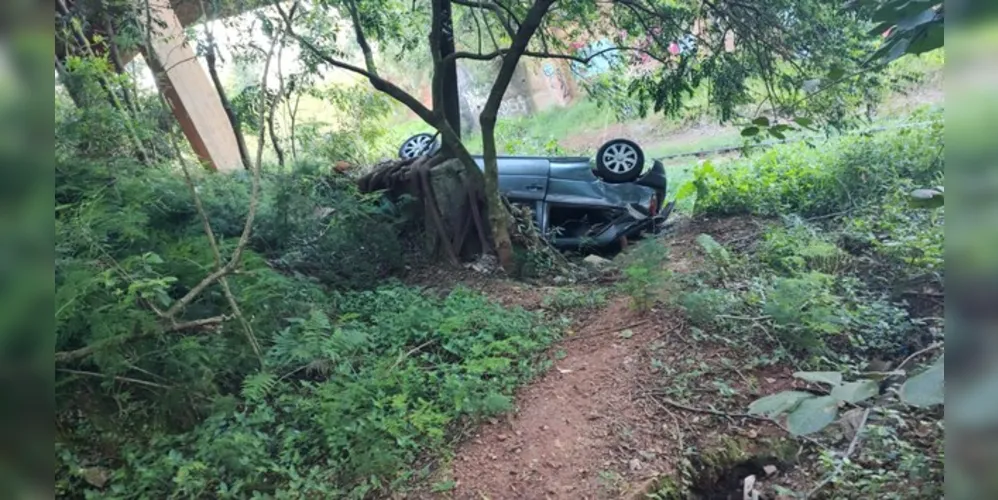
[(842, 462), (710, 411), (67, 356), (916, 354), (410, 352), (743, 318), (198, 323), (604, 332), (113, 377)]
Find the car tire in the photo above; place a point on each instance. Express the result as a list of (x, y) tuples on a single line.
[(620, 160), (418, 145)]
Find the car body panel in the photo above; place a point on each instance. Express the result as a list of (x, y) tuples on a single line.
[(522, 178), (564, 184), (573, 206)]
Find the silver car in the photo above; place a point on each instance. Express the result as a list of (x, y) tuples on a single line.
[(578, 202)]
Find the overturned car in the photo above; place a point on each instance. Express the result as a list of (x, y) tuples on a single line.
[(578, 202)]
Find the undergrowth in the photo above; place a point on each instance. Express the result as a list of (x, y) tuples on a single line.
[(355, 379), (843, 278)]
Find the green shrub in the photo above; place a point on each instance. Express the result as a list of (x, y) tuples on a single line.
[(800, 178), (799, 247), (343, 403), (645, 275), (804, 311), (350, 387), (565, 299), (703, 306)]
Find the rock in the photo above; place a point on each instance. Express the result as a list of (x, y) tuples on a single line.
[(770, 470), (596, 261), (485, 264), (634, 465), (96, 476), (502, 437)]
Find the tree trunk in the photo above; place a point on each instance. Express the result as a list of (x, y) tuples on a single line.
[(497, 212), (449, 205), (498, 220)]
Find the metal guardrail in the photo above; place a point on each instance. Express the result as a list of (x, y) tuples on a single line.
[(773, 142)]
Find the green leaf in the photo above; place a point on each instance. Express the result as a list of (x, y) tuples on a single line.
[(686, 190), (926, 388), (928, 39), (836, 72), (444, 486), (854, 392), (762, 121), (777, 134), (913, 21), (927, 198), (831, 378), (626, 334), (803, 121), (812, 415), (777, 404), (750, 131)]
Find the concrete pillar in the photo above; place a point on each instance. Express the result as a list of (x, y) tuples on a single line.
[(190, 93)]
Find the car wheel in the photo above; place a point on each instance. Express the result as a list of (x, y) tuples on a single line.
[(620, 160), (418, 145)]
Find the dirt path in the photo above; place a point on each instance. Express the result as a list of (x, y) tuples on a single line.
[(579, 431), (587, 429)]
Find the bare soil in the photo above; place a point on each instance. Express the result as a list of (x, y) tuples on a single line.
[(577, 424), (596, 425)]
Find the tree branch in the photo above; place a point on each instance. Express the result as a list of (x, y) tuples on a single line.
[(112, 377), (500, 11), (210, 57), (547, 55), (365, 48), (83, 352), (377, 82), (512, 57)]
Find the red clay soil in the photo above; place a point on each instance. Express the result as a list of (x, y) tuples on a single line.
[(587, 429), (576, 425)]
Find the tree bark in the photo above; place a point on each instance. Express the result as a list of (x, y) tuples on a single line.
[(497, 212)]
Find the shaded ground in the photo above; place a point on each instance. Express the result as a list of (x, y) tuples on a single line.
[(628, 398)]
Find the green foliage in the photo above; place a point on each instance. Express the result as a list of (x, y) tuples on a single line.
[(926, 388), (353, 126), (565, 299), (898, 459), (356, 378), (359, 397), (704, 305), (804, 311), (853, 171), (645, 274), (809, 413), (716, 254), (798, 247), (915, 27)]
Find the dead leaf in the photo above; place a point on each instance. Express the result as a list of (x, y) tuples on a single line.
[(564, 371)]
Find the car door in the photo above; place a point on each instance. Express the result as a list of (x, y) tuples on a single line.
[(522, 178)]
